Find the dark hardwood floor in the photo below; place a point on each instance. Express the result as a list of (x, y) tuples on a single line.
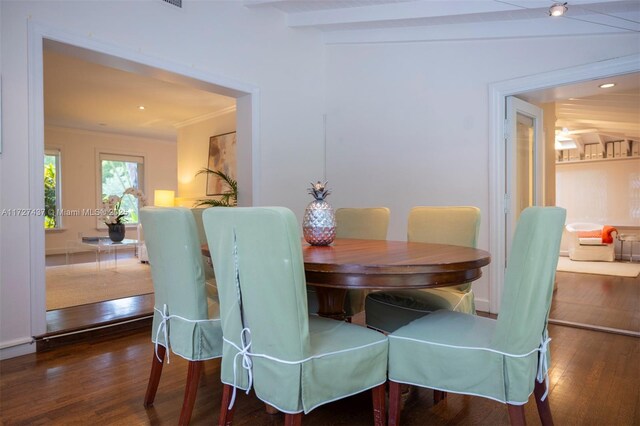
[(594, 381), (601, 301), (86, 322), (100, 376)]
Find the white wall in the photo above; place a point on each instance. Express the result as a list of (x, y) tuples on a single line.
[(408, 123), (193, 154), (605, 192), (225, 39), (78, 150)]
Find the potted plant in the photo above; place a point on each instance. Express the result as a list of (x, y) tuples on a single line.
[(114, 217), (229, 198)]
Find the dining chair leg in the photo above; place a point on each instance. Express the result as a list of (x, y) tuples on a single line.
[(226, 414), (544, 411), (379, 400), (293, 419), (193, 377), (154, 376), (438, 396), (516, 415), (270, 409), (394, 403)]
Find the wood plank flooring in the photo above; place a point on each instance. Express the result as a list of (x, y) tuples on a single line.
[(98, 314), (597, 300), (594, 381), (594, 375)]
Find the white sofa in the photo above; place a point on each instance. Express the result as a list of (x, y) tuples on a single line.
[(588, 248)]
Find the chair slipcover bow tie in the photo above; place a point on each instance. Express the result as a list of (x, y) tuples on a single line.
[(163, 328), (543, 362)]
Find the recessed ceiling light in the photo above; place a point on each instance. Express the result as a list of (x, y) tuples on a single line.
[(141, 107), (558, 9), (606, 85)]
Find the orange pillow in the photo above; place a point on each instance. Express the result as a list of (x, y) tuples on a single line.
[(607, 238), (590, 234)]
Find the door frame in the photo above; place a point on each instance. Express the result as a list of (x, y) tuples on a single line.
[(498, 93), (521, 107), (247, 124)]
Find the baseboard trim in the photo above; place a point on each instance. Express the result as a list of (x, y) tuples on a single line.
[(108, 331), (482, 305), (17, 347)]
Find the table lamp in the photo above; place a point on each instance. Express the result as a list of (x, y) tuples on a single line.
[(163, 198)]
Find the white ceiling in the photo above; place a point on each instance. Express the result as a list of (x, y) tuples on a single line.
[(592, 114), (81, 93), (85, 95), (354, 21)]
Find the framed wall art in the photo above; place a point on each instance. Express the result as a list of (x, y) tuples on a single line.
[(222, 157)]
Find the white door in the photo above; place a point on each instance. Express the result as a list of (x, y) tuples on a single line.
[(524, 168)]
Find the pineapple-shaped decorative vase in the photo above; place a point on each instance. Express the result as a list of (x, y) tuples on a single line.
[(319, 222)]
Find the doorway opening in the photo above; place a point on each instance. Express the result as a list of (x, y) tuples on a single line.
[(616, 306), (45, 41)]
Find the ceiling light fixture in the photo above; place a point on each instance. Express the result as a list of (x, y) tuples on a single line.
[(141, 107), (558, 9), (606, 85)]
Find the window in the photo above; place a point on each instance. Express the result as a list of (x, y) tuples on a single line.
[(52, 187), (119, 172)]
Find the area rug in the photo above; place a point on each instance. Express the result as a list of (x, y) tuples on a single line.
[(619, 269), (79, 284)]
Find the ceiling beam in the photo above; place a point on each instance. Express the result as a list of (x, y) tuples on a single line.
[(396, 12), (542, 27)]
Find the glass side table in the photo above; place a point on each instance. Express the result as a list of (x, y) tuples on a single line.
[(630, 238), (101, 245)]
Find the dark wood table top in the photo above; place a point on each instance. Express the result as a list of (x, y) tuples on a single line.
[(380, 264)]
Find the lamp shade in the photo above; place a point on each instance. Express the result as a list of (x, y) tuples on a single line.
[(163, 198)]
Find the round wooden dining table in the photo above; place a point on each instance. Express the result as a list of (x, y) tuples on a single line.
[(383, 265)]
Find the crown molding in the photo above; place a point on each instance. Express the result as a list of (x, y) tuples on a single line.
[(204, 117)]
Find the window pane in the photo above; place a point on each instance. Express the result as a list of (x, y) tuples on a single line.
[(50, 191), (117, 176)]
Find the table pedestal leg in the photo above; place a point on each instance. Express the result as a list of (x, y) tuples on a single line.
[(331, 302)]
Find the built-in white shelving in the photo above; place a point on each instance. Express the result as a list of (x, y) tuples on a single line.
[(606, 151)]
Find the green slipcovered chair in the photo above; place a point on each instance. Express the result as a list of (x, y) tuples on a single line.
[(496, 359), (293, 361), (185, 320), (389, 310), (367, 223), (209, 276)]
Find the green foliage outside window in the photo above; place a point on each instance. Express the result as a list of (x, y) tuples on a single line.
[(50, 194), (116, 177)]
